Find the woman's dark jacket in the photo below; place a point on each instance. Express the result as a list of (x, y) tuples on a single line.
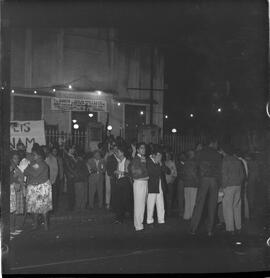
[(155, 172)]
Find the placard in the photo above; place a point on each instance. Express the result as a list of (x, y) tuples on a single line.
[(27, 132)]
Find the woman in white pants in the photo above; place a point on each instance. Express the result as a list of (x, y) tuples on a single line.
[(140, 185), (155, 192)]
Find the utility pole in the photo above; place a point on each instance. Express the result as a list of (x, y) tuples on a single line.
[(5, 132)]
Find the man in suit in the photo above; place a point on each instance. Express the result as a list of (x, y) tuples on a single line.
[(96, 169)]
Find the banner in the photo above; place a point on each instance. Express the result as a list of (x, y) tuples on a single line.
[(72, 104), (27, 132)]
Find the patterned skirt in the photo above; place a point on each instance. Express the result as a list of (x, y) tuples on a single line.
[(39, 198)]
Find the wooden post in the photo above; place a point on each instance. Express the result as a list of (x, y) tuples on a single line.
[(5, 131)]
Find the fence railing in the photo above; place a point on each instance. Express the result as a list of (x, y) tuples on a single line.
[(54, 137), (179, 143)]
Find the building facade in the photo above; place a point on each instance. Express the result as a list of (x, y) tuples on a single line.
[(87, 76)]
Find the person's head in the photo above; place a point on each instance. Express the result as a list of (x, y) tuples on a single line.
[(190, 154), (100, 145), (15, 158), (21, 150), (46, 150), (212, 142), (198, 147), (141, 148), (97, 155), (182, 156), (168, 156), (38, 154), (54, 151), (133, 143), (228, 149), (156, 153), (72, 150), (20, 147), (121, 150)]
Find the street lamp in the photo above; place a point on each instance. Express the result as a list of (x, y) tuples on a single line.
[(219, 110), (109, 127), (69, 86), (76, 126), (166, 116), (118, 103), (74, 121), (141, 112), (90, 115), (174, 130), (191, 115), (35, 92)]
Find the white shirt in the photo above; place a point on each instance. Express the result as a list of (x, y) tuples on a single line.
[(121, 167)]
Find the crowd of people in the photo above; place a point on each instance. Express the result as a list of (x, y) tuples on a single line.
[(137, 181)]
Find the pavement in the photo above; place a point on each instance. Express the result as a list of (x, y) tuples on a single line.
[(89, 242)]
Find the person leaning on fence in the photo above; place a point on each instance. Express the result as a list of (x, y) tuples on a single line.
[(138, 172), (96, 169)]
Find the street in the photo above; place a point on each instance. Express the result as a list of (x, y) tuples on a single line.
[(90, 243)]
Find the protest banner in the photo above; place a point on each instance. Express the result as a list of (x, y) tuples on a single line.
[(27, 132)]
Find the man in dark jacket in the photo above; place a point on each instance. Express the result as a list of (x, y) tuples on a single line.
[(209, 163), (70, 172), (140, 177), (155, 185)]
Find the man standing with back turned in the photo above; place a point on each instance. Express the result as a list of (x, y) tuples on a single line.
[(209, 163)]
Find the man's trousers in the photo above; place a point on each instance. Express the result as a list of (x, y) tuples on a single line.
[(155, 199), (96, 185), (140, 188), (107, 190), (80, 195), (232, 208), (180, 197), (190, 199), (208, 187)]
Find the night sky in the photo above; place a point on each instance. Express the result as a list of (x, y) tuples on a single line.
[(215, 52)]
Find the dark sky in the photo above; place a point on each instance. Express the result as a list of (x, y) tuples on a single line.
[(215, 51)]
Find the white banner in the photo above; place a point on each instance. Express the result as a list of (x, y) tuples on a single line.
[(72, 104), (27, 132)]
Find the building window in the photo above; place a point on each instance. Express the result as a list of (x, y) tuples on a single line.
[(134, 118), (27, 108)]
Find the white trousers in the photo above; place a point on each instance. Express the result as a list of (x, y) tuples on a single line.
[(232, 208), (107, 190), (190, 194), (155, 199), (140, 188)]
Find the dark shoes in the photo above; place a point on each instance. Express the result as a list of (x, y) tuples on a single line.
[(151, 226)]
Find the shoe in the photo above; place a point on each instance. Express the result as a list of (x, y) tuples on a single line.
[(193, 233), (117, 221), (139, 231), (209, 234), (151, 226)]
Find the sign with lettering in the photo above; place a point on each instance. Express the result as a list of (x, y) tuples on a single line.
[(72, 104), (27, 132)]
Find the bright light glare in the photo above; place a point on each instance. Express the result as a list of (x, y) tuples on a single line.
[(109, 127), (91, 115), (69, 86), (74, 121), (141, 112), (174, 130), (76, 126)]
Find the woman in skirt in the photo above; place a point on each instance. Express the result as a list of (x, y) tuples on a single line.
[(39, 189)]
